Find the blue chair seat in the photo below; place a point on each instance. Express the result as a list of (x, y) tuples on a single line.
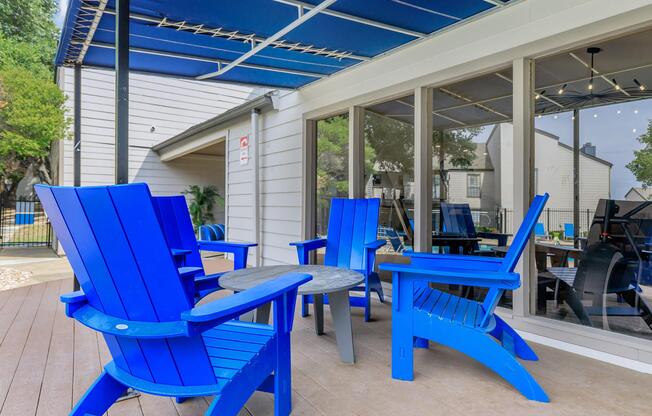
[(451, 308), (234, 346)]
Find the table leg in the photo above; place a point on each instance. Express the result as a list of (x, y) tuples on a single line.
[(319, 313), (262, 314), (341, 312)]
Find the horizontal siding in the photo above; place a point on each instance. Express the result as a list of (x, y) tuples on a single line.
[(160, 108)]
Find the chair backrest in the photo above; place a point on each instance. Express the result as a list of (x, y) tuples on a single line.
[(458, 219), (174, 217), (220, 232), (539, 230), (523, 234), (117, 249), (569, 230), (404, 220), (207, 233), (352, 223)]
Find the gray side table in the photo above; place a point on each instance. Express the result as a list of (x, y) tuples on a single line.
[(326, 280)]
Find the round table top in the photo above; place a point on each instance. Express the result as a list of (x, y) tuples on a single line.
[(325, 279)]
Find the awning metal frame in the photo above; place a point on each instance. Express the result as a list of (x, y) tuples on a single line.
[(267, 42)]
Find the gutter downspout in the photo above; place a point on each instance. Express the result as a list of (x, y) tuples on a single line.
[(255, 138)]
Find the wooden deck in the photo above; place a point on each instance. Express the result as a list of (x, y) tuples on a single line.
[(47, 361)]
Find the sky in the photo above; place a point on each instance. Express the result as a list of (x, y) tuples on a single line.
[(612, 129), (61, 14)]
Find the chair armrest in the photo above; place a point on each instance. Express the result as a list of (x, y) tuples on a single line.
[(481, 278), (375, 245), (305, 247), (370, 254), (239, 250), (73, 301), (177, 252), (311, 244), (77, 307), (224, 309), (106, 324), (223, 246), (456, 261), (456, 257)]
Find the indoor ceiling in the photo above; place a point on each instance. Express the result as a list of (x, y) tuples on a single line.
[(562, 84)]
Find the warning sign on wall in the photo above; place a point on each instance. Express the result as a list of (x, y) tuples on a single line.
[(244, 150)]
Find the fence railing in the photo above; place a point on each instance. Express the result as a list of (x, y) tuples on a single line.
[(23, 223)]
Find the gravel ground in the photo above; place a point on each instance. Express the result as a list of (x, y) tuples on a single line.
[(11, 278)]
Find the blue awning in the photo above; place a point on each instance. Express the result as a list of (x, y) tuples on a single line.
[(197, 37)]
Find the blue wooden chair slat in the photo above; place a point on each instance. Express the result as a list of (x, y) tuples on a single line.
[(351, 243), (133, 293), (421, 313)]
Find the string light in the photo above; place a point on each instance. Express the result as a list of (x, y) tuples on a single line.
[(562, 89), (616, 86), (640, 86)]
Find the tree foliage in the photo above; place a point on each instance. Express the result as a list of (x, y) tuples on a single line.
[(641, 165), (202, 203), (32, 113)]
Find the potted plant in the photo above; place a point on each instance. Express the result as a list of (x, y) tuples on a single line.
[(202, 203)]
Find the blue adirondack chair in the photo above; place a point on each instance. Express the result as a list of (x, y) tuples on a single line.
[(421, 313), (160, 343), (351, 243), (539, 230), (569, 231), (458, 219), (212, 232), (174, 218)]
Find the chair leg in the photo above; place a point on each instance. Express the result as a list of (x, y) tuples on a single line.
[(283, 379), (576, 305), (367, 303), (99, 397), (304, 306), (376, 286), (402, 354), (482, 348), (520, 348)]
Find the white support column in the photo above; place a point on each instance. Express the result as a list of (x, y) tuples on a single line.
[(356, 152), (523, 161), (423, 169), (254, 144)]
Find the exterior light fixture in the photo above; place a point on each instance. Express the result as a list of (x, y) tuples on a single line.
[(592, 51), (616, 86), (562, 89), (640, 86)]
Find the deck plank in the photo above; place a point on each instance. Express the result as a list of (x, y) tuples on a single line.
[(28, 378), (10, 310), (56, 391), (446, 382), (13, 344)]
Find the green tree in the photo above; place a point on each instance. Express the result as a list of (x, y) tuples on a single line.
[(32, 113), (31, 118), (641, 165), (454, 148)]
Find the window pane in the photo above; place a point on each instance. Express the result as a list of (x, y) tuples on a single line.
[(332, 166), (389, 174), (593, 249)]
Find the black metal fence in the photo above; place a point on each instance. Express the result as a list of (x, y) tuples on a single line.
[(553, 220), (23, 223)]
